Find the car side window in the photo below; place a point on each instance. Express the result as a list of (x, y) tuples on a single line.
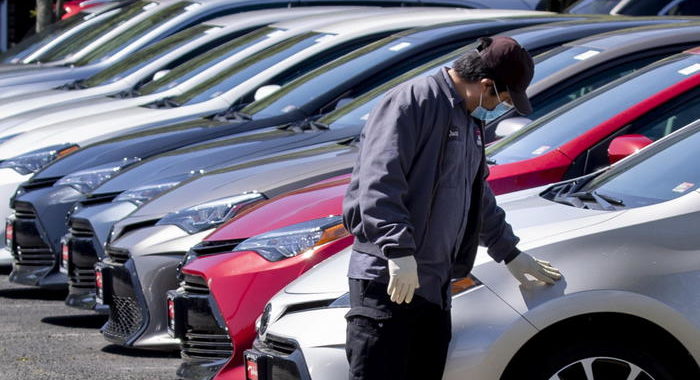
[(660, 122), (687, 7), (544, 105)]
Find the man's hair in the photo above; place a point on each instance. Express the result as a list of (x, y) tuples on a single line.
[(470, 67)]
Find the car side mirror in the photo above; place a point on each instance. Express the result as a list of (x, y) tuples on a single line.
[(266, 91), (342, 102), (160, 74), (626, 145), (507, 127)]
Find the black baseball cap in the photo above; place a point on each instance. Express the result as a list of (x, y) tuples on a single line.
[(512, 65)]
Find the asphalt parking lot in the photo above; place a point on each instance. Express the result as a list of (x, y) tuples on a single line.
[(41, 338)]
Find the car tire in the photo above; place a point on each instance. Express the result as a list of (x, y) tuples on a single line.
[(610, 356)]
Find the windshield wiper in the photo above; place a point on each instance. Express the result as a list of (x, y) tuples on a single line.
[(605, 201), (75, 85), (165, 103), (490, 161), (131, 93)]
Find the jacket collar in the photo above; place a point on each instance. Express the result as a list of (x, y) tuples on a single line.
[(446, 85)]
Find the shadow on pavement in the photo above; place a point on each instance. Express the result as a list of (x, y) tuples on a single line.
[(134, 352), (5, 269), (77, 321), (34, 294)]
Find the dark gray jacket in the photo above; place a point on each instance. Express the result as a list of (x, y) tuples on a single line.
[(418, 188)]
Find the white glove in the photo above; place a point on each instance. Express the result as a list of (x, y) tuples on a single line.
[(403, 279), (539, 269)]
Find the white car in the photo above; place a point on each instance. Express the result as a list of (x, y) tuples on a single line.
[(151, 62), (627, 307)]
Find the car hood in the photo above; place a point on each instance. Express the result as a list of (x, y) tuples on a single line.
[(64, 114), (37, 100), (202, 158), (532, 217), (271, 177), (77, 131)]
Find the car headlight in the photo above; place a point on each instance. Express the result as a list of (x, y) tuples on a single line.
[(292, 240), (209, 215), (459, 286), (87, 180), (143, 194), (34, 161)]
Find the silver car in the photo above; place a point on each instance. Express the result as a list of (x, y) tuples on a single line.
[(627, 307)]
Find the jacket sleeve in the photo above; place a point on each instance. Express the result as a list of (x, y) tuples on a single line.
[(388, 145), (496, 234)]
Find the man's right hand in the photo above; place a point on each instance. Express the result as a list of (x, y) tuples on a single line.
[(403, 279)]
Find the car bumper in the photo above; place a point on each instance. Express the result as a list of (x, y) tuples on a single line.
[(133, 320), (39, 224), (9, 181), (486, 334), (88, 231), (205, 344)]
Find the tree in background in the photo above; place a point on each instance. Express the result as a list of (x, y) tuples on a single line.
[(45, 13)]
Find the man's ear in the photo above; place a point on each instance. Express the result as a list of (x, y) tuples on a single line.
[(487, 86)]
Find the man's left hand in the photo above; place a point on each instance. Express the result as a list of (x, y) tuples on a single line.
[(541, 270)]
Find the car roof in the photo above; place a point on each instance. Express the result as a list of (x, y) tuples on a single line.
[(234, 19), (420, 13), (633, 37)]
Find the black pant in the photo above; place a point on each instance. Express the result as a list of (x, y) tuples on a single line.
[(389, 341)]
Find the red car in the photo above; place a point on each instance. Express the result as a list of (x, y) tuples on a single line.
[(213, 313), (73, 7), (589, 133)]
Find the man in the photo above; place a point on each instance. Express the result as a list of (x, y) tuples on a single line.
[(418, 206)]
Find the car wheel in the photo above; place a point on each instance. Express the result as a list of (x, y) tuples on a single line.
[(597, 358)]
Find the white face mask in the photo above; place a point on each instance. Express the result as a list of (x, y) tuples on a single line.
[(501, 108)]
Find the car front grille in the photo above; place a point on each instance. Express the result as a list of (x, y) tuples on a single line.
[(125, 318), (204, 338), (29, 248), (82, 278), (207, 248), (280, 345), (83, 256), (206, 346), (117, 255), (195, 285), (81, 229)]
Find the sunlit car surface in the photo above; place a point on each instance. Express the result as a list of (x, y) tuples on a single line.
[(48, 207), (626, 307)]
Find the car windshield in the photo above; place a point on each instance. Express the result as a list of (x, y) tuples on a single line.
[(663, 174), (248, 68), (31, 44), (78, 42), (201, 63), (357, 111), (558, 59), (556, 128), (114, 45), (148, 55)]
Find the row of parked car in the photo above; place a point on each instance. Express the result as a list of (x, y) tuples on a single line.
[(181, 166)]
